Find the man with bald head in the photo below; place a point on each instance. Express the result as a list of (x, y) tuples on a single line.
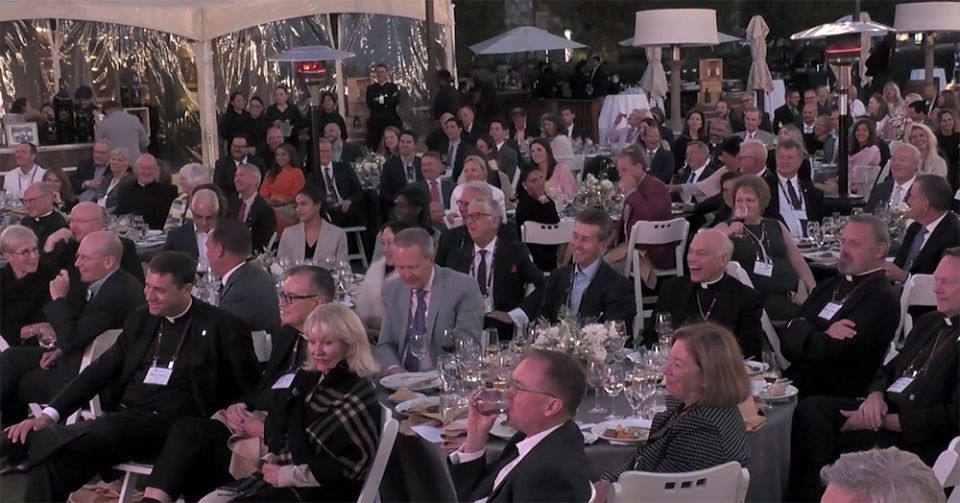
[(85, 218), (148, 197), (191, 237), (707, 293), (97, 298), (342, 151), (41, 217)]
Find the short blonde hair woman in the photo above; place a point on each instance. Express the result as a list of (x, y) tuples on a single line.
[(336, 322), (922, 137)]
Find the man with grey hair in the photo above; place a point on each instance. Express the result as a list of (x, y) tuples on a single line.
[(89, 174), (252, 209), (503, 269), (752, 130), (41, 217), (880, 476), (848, 321), (698, 165), (191, 237), (192, 175), (147, 197), (425, 300), (707, 293), (620, 137), (457, 237), (892, 192), (934, 229), (798, 201)]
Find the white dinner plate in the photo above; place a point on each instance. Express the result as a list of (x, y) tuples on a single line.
[(600, 429), (788, 392), (413, 381), (501, 430), (416, 405)]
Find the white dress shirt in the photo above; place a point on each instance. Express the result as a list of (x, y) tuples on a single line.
[(790, 216), (896, 197), (16, 182), (517, 315), (930, 228)]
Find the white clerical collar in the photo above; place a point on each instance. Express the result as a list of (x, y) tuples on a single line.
[(177, 317), (707, 284), (851, 277)]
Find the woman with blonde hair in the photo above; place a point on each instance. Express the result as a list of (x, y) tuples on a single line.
[(390, 143), (322, 442), (702, 426), (922, 137)]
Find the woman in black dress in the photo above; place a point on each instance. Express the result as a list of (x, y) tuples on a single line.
[(535, 206), (259, 124), (24, 285), (287, 116), (329, 113)]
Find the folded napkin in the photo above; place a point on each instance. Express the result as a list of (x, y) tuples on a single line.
[(402, 396), (453, 436), (430, 419), (753, 420)]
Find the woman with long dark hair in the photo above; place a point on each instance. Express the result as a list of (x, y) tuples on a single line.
[(559, 178), (313, 237), (283, 181), (694, 129)]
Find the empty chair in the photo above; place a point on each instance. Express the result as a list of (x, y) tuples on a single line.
[(947, 469), (653, 233)]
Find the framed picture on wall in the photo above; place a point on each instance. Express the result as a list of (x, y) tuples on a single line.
[(22, 132)]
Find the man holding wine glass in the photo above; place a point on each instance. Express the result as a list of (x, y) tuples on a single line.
[(545, 459)]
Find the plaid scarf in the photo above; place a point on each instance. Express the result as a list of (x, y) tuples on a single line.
[(339, 427)]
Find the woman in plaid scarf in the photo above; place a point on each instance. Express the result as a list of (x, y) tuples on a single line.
[(323, 440)]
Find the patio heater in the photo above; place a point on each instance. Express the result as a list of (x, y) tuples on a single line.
[(842, 51)]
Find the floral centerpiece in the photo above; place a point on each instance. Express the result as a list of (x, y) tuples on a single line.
[(594, 193), (369, 169), (896, 219), (588, 343)]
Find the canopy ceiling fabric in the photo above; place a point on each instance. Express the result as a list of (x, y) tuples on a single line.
[(208, 19)]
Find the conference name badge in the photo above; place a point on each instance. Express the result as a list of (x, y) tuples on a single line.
[(830, 310), (284, 381), (764, 269), (159, 376), (900, 384)]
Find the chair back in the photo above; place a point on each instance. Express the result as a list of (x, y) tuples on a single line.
[(262, 345), (547, 234), (947, 468), (735, 270), (3, 344), (659, 233), (371, 487), (917, 291), (726, 482)]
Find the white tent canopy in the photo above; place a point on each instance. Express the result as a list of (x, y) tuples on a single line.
[(209, 19), (524, 39)]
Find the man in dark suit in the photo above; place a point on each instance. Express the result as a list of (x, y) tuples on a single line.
[(344, 152), (252, 209), (797, 201), (589, 287), (454, 150), (147, 196), (447, 98), (599, 84), (789, 112), (226, 167), (383, 98), (86, 217), (458, 237), (892, 192), (911, 403), (508, 160), (245, 289), (708, 294), (440, 190), (81, 308), (502, 268), (848, 321), (41, 216), (343, 193), (660, 159), (191, 237), (544, 460), (472, 129), (753, 161), (195, 456), (934, 229), (86, 179), (521, 129), (574, 131), (699, 167), (398, 172), (808, 124), (177, 357)]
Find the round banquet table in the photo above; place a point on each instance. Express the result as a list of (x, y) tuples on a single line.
[(417, 470)]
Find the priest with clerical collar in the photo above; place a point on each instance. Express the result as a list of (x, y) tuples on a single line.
[(147, 196), (709, 294), (848, 321), (41, 217), (911, 403)]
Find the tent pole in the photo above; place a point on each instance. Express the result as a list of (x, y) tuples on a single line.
[(452, 44), (676, 121), (338, 69), (206, 101)]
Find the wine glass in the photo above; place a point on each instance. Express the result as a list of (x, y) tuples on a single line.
[(491, 342), (635, 391), (663, 325), (46, 338), (815, 233), (448, 341), (613, 385), (491, 401), (418, 345), (596, 377), (772, 373), (522, 338)]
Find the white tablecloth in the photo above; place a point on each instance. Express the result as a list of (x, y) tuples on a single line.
[(619, 103), (919, 74)]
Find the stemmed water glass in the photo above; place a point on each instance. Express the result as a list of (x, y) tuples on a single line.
[(664, 327), (419, 346), (613, 385), (491, 342), (596, 377), (448, 341), (772, 372), (815, 233)]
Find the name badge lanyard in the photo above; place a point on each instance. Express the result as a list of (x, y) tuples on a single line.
[(295, 353), (33, 177), (911, 370), (762, 253), (787, 193), (176, 353)]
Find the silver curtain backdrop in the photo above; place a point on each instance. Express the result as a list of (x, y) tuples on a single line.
[(107, 56)]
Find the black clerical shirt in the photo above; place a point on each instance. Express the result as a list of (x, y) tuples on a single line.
[(151, 201), (45, 225), (176, 398)]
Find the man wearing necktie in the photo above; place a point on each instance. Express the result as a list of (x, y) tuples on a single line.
[(431, 168), (911, 402), (892, 192), (799, 201), (661, 161), (425, 300), (400, 171), (340, 183), (751, 124), (454, 150), (545, 459), (934, 229)]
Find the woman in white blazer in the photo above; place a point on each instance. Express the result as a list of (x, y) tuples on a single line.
[(369, 302), (313, 237)]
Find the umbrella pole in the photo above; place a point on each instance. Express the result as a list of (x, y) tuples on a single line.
[(928, 45), (675, 113)]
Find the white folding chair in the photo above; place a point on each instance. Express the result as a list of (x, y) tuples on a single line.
[(262, 345), (726, 482), (132, 472), (917, 291), (653, 233), (100, 345), (947, 469), (361, 255), (370, 493), (547, 234), (735, 270), (3, 344)]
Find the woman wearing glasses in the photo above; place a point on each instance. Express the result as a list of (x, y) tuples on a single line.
[(24, 286)]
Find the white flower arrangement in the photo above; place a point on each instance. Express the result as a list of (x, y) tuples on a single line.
[(594, 193), (588, 343), (369, 169)]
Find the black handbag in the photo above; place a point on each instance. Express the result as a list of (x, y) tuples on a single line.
[(247, 486)]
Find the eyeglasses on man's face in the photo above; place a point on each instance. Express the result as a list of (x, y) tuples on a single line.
[(473, 217), (289, 298)]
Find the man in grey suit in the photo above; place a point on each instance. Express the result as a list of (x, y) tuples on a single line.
[(422, 302), (123, 130), (507, 157), (245, 290), (751, 125)]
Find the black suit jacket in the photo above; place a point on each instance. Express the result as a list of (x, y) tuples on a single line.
[(454, 239), (880, 195), (78, 321), (945, 235), (813, 199), (783, 116), (556, 469), (822, 365), (226, 168), (929, 407), (737, 307), (85, 171), (463, 150), (609, 296), (446, 189), (479, 129), (64, 256), (393, 179), (260, 220), (532, 131), (250, 296), (577, 132), (221, 362), (350, 153), (662, 165), (512, 272), (183, 239), (348, 183)]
